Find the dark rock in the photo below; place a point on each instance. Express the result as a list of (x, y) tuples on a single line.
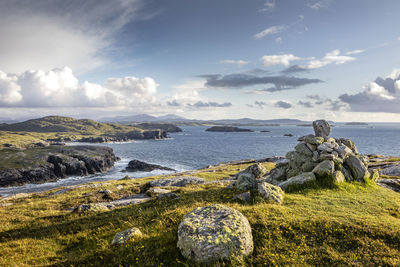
[(179, 181), (227, 129), (357, 168), (140, 166), (322, 128)]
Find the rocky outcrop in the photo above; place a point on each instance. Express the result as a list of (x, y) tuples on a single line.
[(124, 137), (140, 166), (212, 233), (321, 158), (271, 192), (60, 162), (227, 129), (179, 181), (247, 179)]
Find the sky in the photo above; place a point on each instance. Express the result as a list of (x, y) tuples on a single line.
[(201, 59)]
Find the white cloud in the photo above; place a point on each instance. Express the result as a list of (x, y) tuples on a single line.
[(234, 62), (268, 6), (272, 60), (60, 88), (37, 36), (355, 52), (270, 31), (318, 4), (278, 40), (333, 57)]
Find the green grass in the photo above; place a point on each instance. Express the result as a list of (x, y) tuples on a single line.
[(352, 224)]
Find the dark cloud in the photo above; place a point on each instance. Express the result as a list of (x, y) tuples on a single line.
[(283, 104), (173, 103), (306, 104), (382, 95), (241, 80), (201, 104), (260, 104), (295, 69)]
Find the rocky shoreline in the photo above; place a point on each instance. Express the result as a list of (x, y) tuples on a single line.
[(52, 163)]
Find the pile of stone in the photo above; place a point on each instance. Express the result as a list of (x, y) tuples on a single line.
[(318, 157)]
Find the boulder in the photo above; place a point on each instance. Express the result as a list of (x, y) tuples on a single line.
[(349, 143), (179, 181), (277, 174), (155, 191), (271, 192), (357, 168), (212, 233), (314, 140), (374, 175), (91, 207), (140, 166), (257, 170), (391, 171), (246, 181), (298, 180), (324, 169), (302, 148), (126, 236), (338, 177), (322, 128)]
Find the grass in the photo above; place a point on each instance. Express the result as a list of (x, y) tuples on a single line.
[(351, 224)]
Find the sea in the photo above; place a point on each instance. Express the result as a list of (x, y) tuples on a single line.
[(195, 148)]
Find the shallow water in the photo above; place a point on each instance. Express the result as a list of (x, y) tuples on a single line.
[(195, 148)]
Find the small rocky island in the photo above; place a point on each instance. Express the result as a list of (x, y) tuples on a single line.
[(227, 129), (140, 166)]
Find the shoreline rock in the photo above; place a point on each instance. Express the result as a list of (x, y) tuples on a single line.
[(140, 166), (227, 129)]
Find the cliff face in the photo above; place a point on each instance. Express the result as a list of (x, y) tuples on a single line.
[(57, 162)]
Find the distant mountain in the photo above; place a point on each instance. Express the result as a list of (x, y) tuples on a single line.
[(171, 117), (130, 118), (253, 121)]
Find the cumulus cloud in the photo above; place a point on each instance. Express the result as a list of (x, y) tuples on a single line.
[(241, 80), (49, 34), (60, 88), (270, 31), (284, 60), (283, 104), (234, 62), (381, 95), (333, 57), (355, 52)]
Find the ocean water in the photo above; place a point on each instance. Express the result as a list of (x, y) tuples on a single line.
[(195, 148)]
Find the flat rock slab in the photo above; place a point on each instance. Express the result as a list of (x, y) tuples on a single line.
[(391, 171), (392, 184), (179, 181)]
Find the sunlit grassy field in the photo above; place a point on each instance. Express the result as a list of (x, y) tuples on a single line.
[(350, 224)]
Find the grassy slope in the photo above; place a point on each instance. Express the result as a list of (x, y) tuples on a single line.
[(350, 225)]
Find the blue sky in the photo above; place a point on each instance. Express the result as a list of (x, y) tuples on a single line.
[(205, 59)]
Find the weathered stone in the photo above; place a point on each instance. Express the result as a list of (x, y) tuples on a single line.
[(311, 147), (392, 184), (357, 168), (155, 191), (277, 174), (167, 195), (324, 169), (245, 197), (87, 208), (215, 232), (179, 181), (303, 149), (349, 143), (347, 174), (321, 128), (315, 156), (324, 148), (364, 159), (338, 177), (246, 181), (391, 171), (303, 138), (271, 192), (343, 151), (307, 166), (257, 170), (298, 180), (374, 175), (314, 140), (140, 166), (126, 236), (325, 156)]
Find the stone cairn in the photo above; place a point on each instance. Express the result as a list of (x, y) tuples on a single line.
[(319, 157)]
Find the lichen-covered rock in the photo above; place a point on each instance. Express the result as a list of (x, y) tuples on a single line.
[(155, 191), (303, 149), (91, 207), (338, 177), (357, 168), (324, 169), (322, 128), (391, 171), (179, 181), (271, 192), (126, 236), (257, 170), (246, 181), (349, 143), (314, 140), (277, 174), (343, 151), (374, 175), (298, 180), (215, 232)]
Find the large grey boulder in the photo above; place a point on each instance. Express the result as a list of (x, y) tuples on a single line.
[(324, 169), (391, 171), (126, 236), (357, 168), (215, 232), (271, 192), (298, 180), (257, 170), (322, 128), (246, 181), (303, 149)]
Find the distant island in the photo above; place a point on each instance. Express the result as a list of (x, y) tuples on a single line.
[(356, 123), (227, 129)]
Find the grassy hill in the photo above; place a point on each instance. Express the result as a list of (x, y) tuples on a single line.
[(349, 224)]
